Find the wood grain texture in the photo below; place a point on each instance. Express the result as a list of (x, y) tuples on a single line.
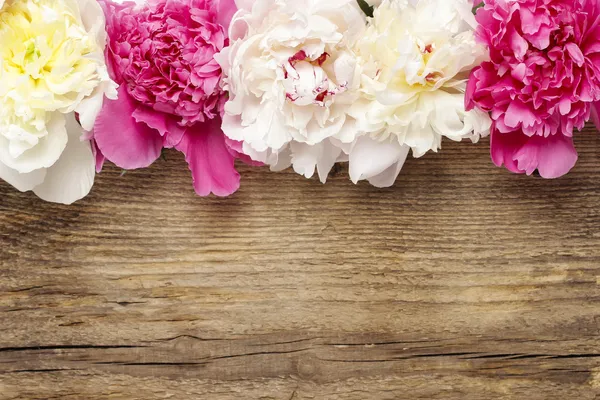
[(461, 282)]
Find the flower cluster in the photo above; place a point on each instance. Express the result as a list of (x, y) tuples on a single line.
[(313, 83), (302, 84)]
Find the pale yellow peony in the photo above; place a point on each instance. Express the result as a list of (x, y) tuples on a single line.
[(416, 57), (51, 67)]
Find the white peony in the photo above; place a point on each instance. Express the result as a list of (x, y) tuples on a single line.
[(51, 68), (291, 77), (416, 57)]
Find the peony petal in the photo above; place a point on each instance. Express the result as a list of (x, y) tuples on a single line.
[(121, 139), (237, 149), (93, 19), (370, 158), (225, 11), (99, 157), (72, 176), (43, 154), (322, 156), (165, 124), (330, 154), (503, 147), (22, 182), (209, 159), (388, 177), (518, 113), (553, 156), (89, 107)]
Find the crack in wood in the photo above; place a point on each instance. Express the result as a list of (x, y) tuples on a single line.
[(69, 347)]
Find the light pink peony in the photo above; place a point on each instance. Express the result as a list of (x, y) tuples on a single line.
[(541, 81), (162, 56)]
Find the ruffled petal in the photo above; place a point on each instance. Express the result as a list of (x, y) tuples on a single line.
[(72, 176), (209, 159), (165, 124), (44, 153), (122, 140)]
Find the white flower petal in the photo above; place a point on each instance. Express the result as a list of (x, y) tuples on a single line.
[(22, 182), (44, 154), (72, 177), (388, 177), (322, 156), (330, 154), (90, 106), (93, 19), (370, 158)]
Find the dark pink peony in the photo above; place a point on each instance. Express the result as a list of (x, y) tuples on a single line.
[(162, 56), (541, 81)]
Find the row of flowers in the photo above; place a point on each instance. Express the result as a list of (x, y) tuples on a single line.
[(300, 83)]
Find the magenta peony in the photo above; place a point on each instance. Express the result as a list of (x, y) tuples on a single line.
[(541, 81), (162, 56)]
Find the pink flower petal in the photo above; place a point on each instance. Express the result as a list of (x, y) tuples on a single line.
[(225, 11), (121, 139), (553, 156), (100, 158), (517, 114), (556, 155), (165, 124), (503, 146), (209, 159)]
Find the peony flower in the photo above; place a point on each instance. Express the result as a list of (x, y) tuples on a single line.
[(416, 57), (162, 55), (51, 68), (541, 80), (291, 77)]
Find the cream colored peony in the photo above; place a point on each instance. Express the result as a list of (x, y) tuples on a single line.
[(51, 68), (291, 77), (416, 57)]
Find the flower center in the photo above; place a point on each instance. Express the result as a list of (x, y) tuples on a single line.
[(306, 81), (32, 53), (427, 51)]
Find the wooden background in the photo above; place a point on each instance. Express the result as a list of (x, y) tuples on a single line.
[(461, 282)]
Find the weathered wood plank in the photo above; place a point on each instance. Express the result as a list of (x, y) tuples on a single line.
[(461, 282)]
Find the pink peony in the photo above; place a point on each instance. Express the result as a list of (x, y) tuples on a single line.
[(541, 81), (162, 56)]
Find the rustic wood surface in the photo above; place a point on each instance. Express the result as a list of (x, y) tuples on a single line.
[(461, 282)]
